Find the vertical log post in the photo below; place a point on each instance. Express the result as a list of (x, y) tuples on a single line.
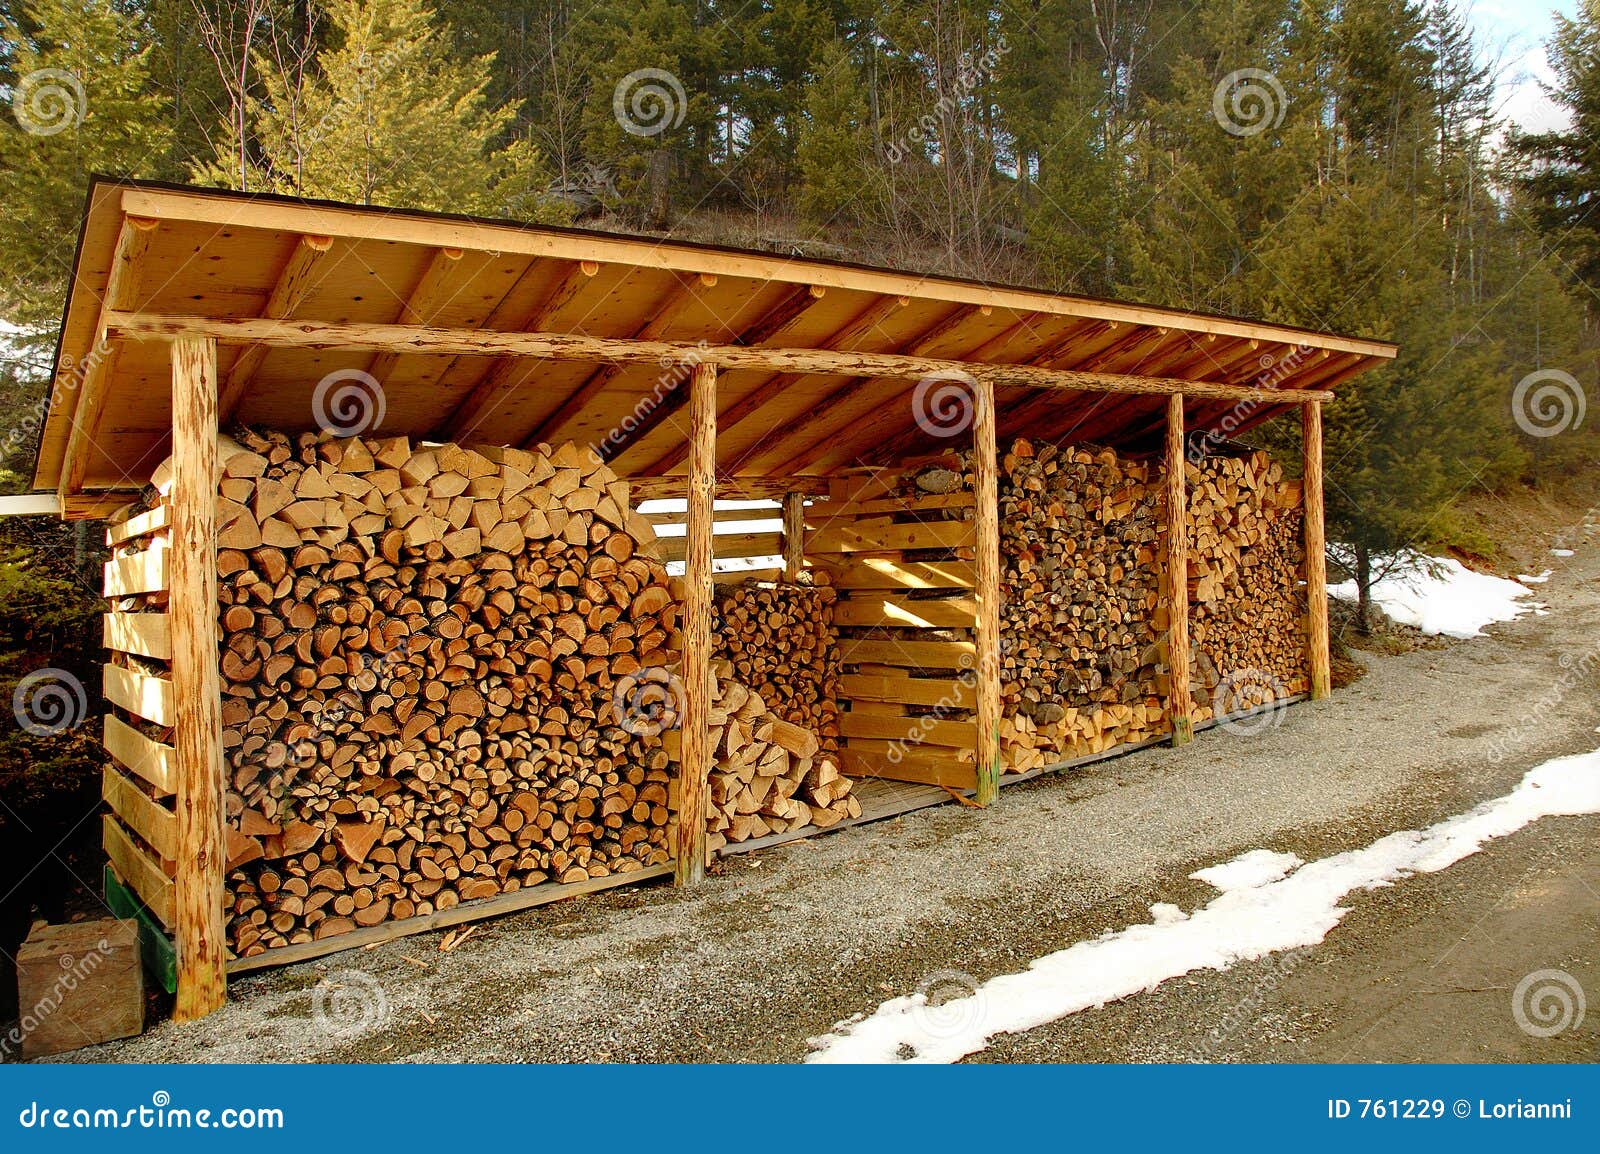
[(1316, 551), (986, 498), (1175, 589), (197, 737), (694, 766), (794, 535)]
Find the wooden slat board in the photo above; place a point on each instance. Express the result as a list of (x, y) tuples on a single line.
[(890, 572), (869, 609), (135, 867), (909, 654), (140, 813), (872, 759), (872, 536), (917, 731), (144, 634), (146, 523), (144, 572), (140, 693), (151, 760), (868, 687), (726, 546)]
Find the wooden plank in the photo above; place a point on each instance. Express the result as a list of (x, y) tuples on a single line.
[(892, 573), (144, 572), (144, 634), (866, 609), (728, 488), (137, 870), (727, 545), (145, 817), (917, 731), (140, 693), (949, 692), (199, 891), (498, 906), (820, 511), (294, 281), (909, 654), (880, 799), (869, 537), (861, 758), (718, 516), (1175, 578), (146, 523), (986, 594), (151, 760), (794, 535), (1316, 553), (155, 947), (432, 341), (418, 228), (694, 769)]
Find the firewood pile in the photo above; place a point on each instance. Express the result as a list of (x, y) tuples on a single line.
[(768, 775), (430, 665), (1246, 561), (779, 639)]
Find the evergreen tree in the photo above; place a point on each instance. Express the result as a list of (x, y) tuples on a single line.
[(78, 73), (830, 154)]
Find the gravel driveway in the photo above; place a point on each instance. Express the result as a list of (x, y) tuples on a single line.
[(788, 941)]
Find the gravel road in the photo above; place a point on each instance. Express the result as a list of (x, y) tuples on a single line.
[(788, 941)]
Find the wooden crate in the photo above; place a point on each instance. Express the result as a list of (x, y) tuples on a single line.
[(79, 985)]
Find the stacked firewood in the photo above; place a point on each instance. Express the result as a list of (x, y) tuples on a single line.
[(1246, 561), (768, 775), (1081, 546), (430, 665), (780, 641)]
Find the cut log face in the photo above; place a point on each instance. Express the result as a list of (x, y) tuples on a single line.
[(420, 656), (779, 640)]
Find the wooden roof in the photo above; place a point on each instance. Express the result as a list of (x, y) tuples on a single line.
[(401, 295)]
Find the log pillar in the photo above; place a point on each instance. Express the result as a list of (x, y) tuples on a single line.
[(1316, 551), (197, 736), (694, 713), (986, 526), (794, 535), (1175, 586)]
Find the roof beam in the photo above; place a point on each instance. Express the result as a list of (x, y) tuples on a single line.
[(94, 374), (294, 281), (428, 295), (577, 347)]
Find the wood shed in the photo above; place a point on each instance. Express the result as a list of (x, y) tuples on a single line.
[(456, 561)]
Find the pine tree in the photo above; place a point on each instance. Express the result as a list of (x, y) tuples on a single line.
[(388, 116), (830, 155), (82, 104)]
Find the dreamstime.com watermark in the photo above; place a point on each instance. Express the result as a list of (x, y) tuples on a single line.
[(67, 383), (944, 404), (649, 101), (160, 1114), (648, 702), (949, 1004), (349, 1003), (73, 971), (1279, 968), (49, 701), (674, 372), (1547, 1003), (1575, 671), (49, 100), (1249, 101), (1274, 370), (1548, 402), (1248, 702), (348, 402), (971, 71)]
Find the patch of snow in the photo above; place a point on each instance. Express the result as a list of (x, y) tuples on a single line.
[(1246, 922), (1539, 580), (1561, 552), (1248, 870), (1440, 595), (1167, 914)]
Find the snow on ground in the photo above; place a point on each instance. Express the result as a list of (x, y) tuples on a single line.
[(1269, 903), (1561, 552), (1531, 579), (1441, 595)]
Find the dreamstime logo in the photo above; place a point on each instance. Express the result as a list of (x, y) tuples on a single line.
[(348, 1003), (1248, 102), (943, 404), (1244, 690), (649, 101), (348, 402), (1547, 1003), (49, 701), (48, 101), (948, 1003), (1548, 402), (647, 702)]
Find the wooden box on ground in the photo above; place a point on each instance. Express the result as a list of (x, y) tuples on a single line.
[(79, 985)]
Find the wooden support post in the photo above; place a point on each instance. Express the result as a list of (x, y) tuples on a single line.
[(794, 535), (986, 497), (1176, 588), (197, 736), (694, 713), (1316, 550)]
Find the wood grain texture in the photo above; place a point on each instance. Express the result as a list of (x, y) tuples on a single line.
[(986, 590), (1175, 582), (197, 737), (694, 766), (1316, 549), (794, 535)]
